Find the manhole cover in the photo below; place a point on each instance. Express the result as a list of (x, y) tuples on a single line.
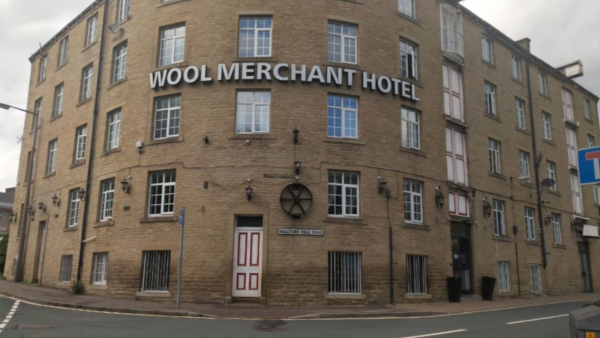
[(34, 326), (270, 325)]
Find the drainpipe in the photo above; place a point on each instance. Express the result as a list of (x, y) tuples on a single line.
[(537, 163), (388, 195), (88, 184)]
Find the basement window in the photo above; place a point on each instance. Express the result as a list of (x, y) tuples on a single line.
[(66, 264), (155, 276), (345, 273), (416, 274)]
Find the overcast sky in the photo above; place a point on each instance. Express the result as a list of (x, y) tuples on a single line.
[(561, 31)]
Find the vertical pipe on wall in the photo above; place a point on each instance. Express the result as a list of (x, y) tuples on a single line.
[(391, 250), (88, 183)]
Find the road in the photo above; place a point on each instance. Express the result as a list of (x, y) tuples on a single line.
[(548, 321)]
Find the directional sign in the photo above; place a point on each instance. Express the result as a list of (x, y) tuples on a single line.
[(589, 165), (182, 217)]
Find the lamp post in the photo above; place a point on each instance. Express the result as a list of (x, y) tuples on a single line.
[(28, 175)]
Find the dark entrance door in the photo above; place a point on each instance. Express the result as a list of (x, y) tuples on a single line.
[(586, 271), (462, 263)]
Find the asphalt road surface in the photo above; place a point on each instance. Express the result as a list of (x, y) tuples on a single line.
[(33, 321)]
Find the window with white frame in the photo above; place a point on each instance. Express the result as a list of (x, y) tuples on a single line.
[(576, 192), (587, 113), (87, 75), (456, 156), (499, 218), (520, 109), (120, 62), (100, 268), (572, 146), (73, 211), (255, 37), (490, 99), (342, 42), (452, 31), (344, 273), (543, 83), (58, 100), (92, 30), (504, 276), (343, 194), (568, 105), (155, 271), (161, 201), (407, 7), (516, 68), (42, 70), (66, 264), (530, 223), (551, 169), (458, 204), (409, 66), (494, 150), (113, 130), (488, 49), (81, 136), (591, 141), (413, 201), (342, 116), (546, 121), (535, 276), (597, 193), (166, 117), (124, 8), (416, 274), (52, 146), (453, 100), (63, 50), (556, 227), (411, 129), (253, 112), (524, 163), (38, 111), (107, 191), (172, 45)]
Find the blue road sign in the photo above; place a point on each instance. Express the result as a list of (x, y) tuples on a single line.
[(589, 165), (182, 216)]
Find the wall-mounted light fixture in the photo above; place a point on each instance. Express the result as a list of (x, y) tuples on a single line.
[(42, 206), (13, 217), (382, 185), (439, 197), (82, 194), (55, 201), (125, 186), (297, 166), (206, 140), (29, 209), (296, 133), (249, 193), (487, 208)]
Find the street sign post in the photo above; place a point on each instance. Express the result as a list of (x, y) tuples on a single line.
[(589, 165), (182, 224)]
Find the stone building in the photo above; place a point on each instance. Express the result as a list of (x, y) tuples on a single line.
[(326, 152)]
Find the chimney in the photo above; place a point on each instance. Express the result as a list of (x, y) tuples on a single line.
[(525, 43)]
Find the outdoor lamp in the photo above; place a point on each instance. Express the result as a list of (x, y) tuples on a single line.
[(439, 198), (55, 200), (206, 140), (382, 185), (249, 193), (13, 217), (297, 166), (296, 133), (29, 209), (487, 208), (82, 194), (125, 186), (42, 206)]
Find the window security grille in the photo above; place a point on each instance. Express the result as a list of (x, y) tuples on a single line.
[(345, 273), (66, 264), (535, 272), (416, 274), (155, 276)]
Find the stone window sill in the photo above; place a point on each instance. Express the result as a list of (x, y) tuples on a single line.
[(518, 81), (502, 238), (116, 83), (417, 297), (345, 140), (498, 176), (255, 59), (107, 223), (50, 174), (159, 219), (98, 287), (534, 242), (416, 226), (173, 65), (524, 131), (40, 82), (559, 246), (413, 151), (112, 151), (573, 124), (153, 294), (527, 184), (408, 18), (70, 229), (346, 220), (491, 65), (81, 103), (77, 164), (62, 66), (554, 192), (353, 66), (547, 97), (589, 121), (90, 45), (456, 122), (493, 117), (550, 142), (63, 284), (251, 136), (173, 139), (55, 117), (163, 4), (335, 296)]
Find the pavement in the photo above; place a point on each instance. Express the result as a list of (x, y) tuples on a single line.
[(62, 298)]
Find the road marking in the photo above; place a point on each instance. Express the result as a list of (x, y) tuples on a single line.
[(436, 334), (535, 320), (9, 315)]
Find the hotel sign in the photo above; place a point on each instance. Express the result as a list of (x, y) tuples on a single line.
[(285, 73), (301, 232)]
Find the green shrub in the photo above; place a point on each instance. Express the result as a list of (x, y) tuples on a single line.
[(77, 288)]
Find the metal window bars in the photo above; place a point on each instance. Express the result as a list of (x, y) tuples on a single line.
[(416, 274), (66, 264), (155, 277), (345, 273)]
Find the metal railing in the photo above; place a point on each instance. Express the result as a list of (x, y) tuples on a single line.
[(345, 273)]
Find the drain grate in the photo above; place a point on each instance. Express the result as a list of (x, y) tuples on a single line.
[(270, 325), (35, 326)]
